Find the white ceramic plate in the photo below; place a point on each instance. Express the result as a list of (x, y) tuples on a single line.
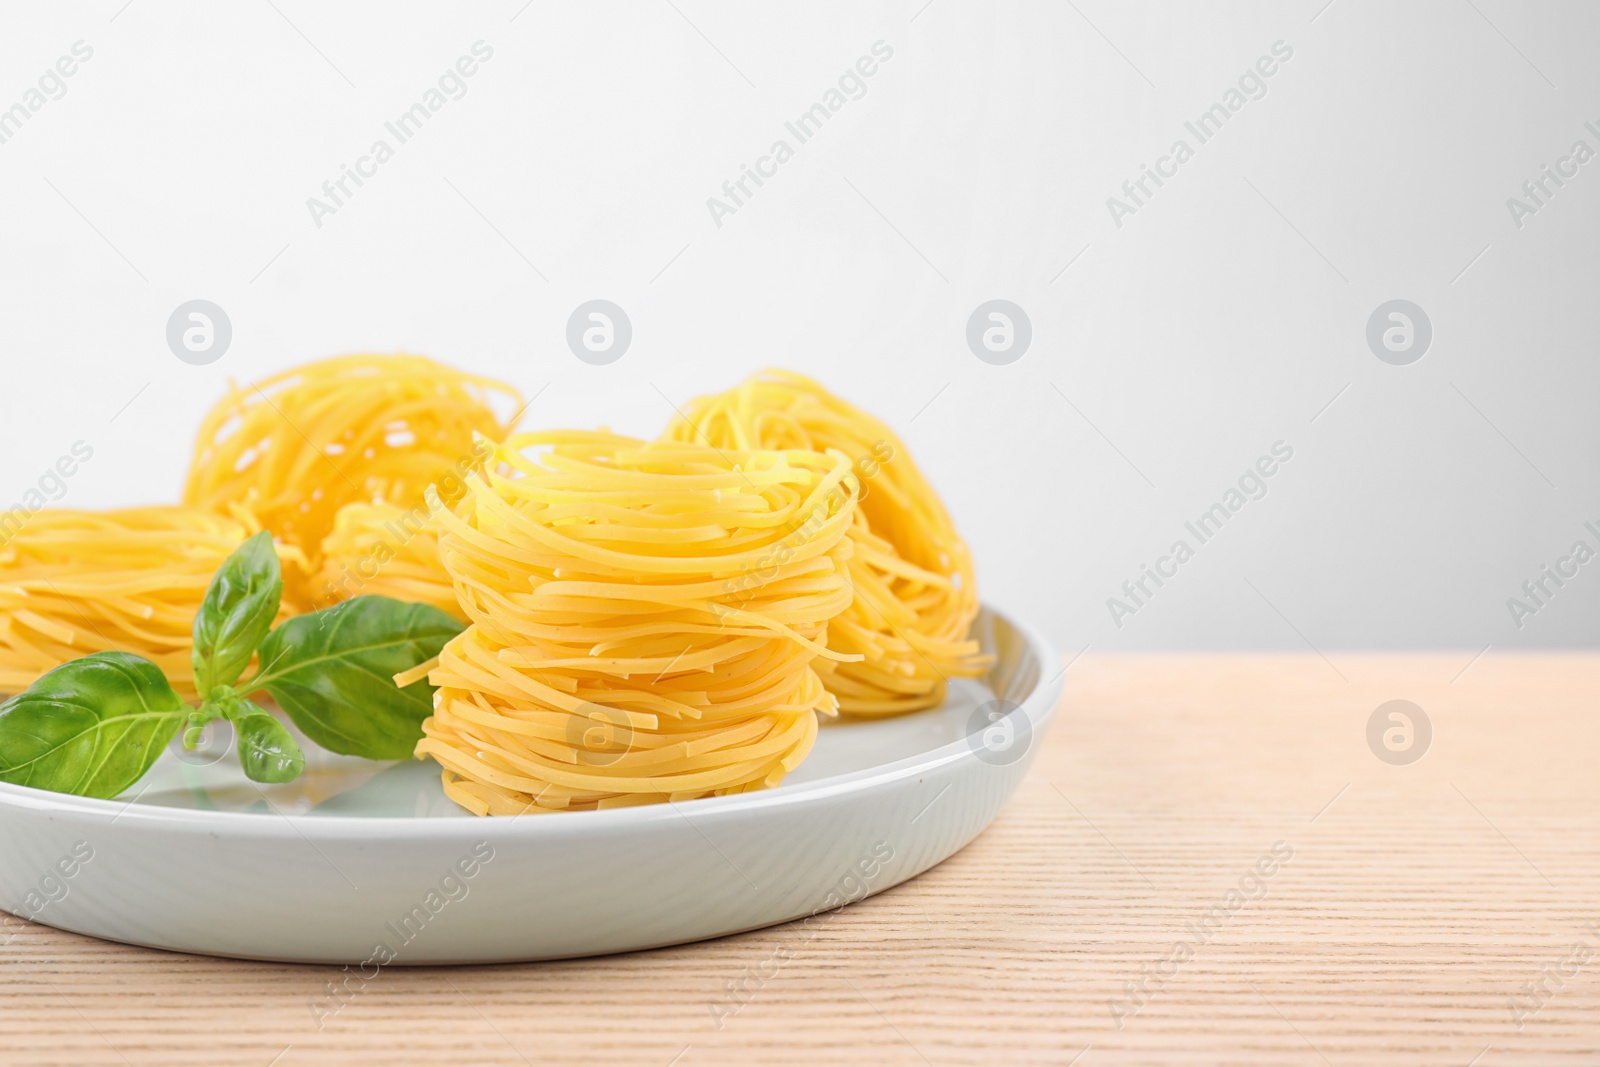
[(367, 863)]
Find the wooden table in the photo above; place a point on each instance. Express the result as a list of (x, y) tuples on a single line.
[(1409, 910)]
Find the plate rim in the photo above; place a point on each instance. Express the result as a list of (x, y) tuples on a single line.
[(1039, 705)]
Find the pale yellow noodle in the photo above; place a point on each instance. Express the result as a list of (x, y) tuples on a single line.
[(297, 447), (612, 658), (386, 550), (76, 582), (909, 627)]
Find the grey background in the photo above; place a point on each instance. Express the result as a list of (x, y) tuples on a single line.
[(1168, 354)]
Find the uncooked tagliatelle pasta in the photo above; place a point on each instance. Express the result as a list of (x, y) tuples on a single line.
[(908, 628), (386, 550), (297, 447), (131, 580), (615, 655)]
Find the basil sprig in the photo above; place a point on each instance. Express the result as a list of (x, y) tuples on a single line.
[(236, 614), (91, 727), (333, 672), (267, 751), (94, 726)]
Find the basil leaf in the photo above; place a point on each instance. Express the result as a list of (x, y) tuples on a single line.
[(236, 614), (91, 727), (333, 672), (267, 751)]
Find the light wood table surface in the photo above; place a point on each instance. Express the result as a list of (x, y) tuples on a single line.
[(1418, 902)]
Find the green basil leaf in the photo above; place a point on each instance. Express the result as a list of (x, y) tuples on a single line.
[(267, 751), (333, 672), (91, 727), (236, 614)]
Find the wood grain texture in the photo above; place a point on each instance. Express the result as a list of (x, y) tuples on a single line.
[(1418, 902)]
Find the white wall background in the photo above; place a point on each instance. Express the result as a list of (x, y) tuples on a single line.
[(1222, 317)]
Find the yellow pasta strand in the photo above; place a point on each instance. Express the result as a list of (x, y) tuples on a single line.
[(614, 654), (386, 550), (908, 629), (297, 447), (76, 582)]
